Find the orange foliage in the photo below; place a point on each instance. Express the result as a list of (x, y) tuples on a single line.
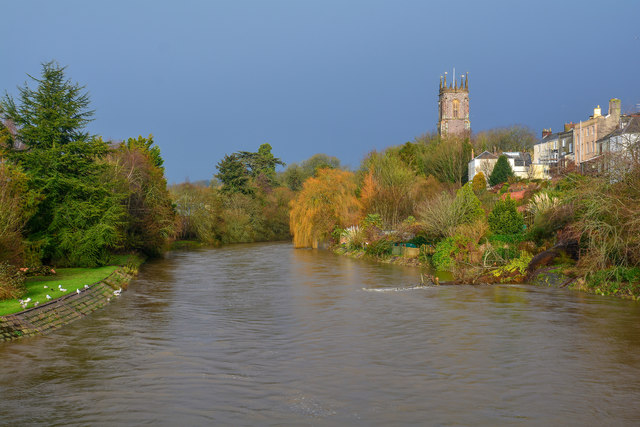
[(325, 202), (370, 189)]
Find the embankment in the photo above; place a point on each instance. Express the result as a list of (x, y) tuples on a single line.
[(64, 310)]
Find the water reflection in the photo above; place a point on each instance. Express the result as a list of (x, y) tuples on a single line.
[(264, 334)]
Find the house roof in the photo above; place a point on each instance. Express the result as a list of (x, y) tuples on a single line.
[(632, 126), (486, 155), (516, 155), (554, 136)]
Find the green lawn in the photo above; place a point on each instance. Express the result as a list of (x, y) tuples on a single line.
[(68, 278)]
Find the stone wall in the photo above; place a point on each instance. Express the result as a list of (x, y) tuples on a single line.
[(61, 311)]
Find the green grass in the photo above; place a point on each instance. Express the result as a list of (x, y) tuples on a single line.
[(68, 278)]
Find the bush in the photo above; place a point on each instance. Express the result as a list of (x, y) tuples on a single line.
[(380, 247), (479, 183), (615, 280), (354, 237), (370, 220), (505, 218), (515, 269), (441, 216), (508, 238), (11, 282), (448, 250), (468, 204)]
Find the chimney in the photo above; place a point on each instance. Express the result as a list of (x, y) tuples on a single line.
[(614, 107), (569, 126), (546, 132), (597, 112)]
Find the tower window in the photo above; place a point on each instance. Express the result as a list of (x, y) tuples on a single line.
[(456, 108)]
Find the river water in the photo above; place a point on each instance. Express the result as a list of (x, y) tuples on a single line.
[(263, 334)]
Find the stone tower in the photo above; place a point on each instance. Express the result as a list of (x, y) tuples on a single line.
[(453, 107)]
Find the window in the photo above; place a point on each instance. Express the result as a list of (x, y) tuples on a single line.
[(456, 108), (563, 141)]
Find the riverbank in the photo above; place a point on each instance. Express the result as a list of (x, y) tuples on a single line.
[(624, 285), (84, 291)]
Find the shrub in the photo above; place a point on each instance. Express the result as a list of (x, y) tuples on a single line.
[(505, 218), (615, 280), (515, 269), (474, 231), (374, 220), (353, 237), (479, 183), (379, 247), (508, 238), (501, 171), (468, 204), (16, 206), (541, 203), (441, 216), (448, 250), (11, 282)]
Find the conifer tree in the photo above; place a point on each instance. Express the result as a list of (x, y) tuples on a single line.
[(78, 217), (501, 171)]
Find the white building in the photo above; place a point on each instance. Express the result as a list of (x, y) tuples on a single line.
[(520, 164)]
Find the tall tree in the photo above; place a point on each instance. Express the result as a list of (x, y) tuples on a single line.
[(79, 216), (54, 114), (447, 159), (233, 175), (325, 202), (388, 187), (137, 168), (261, 163)]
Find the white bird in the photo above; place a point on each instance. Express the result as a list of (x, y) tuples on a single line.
[(77, 291), (63, 290), (86, 286), (37, 302), (27, 300), (46, 287), (48, 296), (117, 293)]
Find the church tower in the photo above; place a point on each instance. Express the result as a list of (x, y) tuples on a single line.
[(453, 107)]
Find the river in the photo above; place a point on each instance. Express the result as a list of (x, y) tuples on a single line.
[(263, 334)]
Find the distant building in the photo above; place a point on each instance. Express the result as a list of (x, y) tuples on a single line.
[(620, 149), (453, 107), (587, 133), (520, 162), (553, 151), (577, 144), (483, 162)]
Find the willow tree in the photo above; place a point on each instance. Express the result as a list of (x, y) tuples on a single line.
[(325, 202)]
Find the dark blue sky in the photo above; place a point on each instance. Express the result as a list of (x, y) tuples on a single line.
[(340, 77)]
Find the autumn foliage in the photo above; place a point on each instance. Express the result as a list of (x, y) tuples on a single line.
[(325, 202)]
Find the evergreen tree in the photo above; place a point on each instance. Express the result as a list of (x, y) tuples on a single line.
[(505, 218), (79, 216), (233, 175), (501, 171), (261, 163), (54, 114)]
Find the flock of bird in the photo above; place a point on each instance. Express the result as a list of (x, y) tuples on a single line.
[(24, 303)]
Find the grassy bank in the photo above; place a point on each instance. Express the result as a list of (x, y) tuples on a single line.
[(65, 281)]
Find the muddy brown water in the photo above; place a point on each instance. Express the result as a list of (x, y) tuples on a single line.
[(263, 334)]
